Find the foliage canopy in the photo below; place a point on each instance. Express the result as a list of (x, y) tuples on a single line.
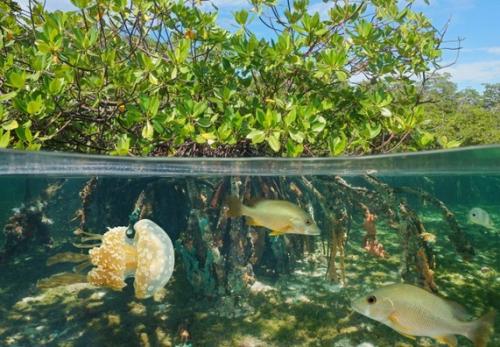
[(464, 117), (147, 77)]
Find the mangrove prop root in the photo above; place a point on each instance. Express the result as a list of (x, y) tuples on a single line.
[(411, 229), (216, 199), (27, 225), (143, 202), (457, 237), (86, 199), (338, 241), (425, 270), (377, 202), (52, 189), (370, 242), (416, 250)]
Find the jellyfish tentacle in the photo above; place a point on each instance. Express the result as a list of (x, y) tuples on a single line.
[(67, 257), (91, 238), (83, 245), (59, 279), (81, 267)]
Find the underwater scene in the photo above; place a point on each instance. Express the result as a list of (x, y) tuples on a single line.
[(400, 250)]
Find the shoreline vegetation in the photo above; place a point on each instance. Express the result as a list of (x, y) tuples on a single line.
[(162, 78)]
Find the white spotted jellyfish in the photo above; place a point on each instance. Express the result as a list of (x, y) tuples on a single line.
[(148, 257)]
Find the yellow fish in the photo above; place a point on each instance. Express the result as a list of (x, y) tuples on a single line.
[(413, 311), (281, 216)]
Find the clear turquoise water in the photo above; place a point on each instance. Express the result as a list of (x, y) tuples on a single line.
[(233, 284)]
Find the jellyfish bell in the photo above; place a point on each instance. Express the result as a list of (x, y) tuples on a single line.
[(155, 258), (148, 257)]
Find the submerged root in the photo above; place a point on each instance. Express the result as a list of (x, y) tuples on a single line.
[(67, 257), (61, 279), (338, 241), (425, 271), (370, 242)]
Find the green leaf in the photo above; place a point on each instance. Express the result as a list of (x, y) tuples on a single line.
[(182, 51), (291, 116), (24, 132), (443, 141), (341, 75), (257, 136), (35, 106), (55, 86), (199, 108), (241, 17), (426, 138), (152, 79), (297, 136), (43, 47), (34, 147), (337, 145), (150, 105), (294, 149), (148, 131), (271, 118), (122, 146), (318, 125), (16, 79), (224, 131), (274, 141), (260, 116), (4, 139), (8, 96), (373, 132), (81, 4), (10, 125), (364, 28)]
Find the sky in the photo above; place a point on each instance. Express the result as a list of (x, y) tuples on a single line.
[(477, 22)]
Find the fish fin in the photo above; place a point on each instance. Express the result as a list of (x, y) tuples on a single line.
[(481, 329), (449, 340), (393, 318), (250, 221), (276, 233), (234, 206)]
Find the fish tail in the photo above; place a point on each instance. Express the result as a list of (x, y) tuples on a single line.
[(235, 206), (481, 329)]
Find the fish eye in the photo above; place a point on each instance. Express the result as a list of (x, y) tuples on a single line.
[(473, 215), (308, 222), (371, 299)]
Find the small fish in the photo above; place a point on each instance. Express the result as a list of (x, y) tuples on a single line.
[(413, 311), (47, 220), (282, 217), (479, 216), (428, 237)]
